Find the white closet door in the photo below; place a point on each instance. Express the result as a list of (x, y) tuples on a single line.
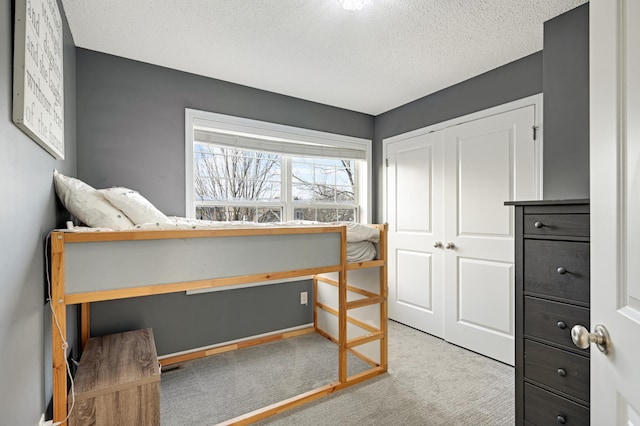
[(487, 162), (414, 213)]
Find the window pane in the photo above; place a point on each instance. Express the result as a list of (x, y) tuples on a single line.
[(347, 215), (345, 172), (211, 213), (325, 193), (229, 174), (344, 194), (302, 170), (323, 180), (325, 174), (269, 214), (302, 192), (307, 213), (324, 214)]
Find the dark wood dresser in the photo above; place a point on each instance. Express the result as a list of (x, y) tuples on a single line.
[(552, 295)]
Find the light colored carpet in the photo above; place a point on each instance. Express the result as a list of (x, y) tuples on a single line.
[(430, 382), (213, 389)]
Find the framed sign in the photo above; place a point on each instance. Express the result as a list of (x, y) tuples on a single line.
[(38, 90)]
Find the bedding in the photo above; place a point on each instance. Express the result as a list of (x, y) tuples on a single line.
[(87, 204), (361, 238), (137, 208), (124, 209)]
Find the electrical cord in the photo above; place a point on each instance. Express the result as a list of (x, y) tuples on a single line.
[(65, 344)]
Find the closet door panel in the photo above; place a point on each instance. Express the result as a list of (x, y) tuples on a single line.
[(414, 209), (483, 168)]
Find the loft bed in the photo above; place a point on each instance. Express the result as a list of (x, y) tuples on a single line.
[(96, 266)]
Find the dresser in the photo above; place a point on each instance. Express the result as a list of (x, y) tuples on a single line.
[(118, 381), (552, 295)]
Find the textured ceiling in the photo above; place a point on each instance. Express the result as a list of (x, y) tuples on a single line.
[(390, 53)]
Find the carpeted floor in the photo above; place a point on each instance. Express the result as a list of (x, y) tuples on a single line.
[(430, 382), (213, 389)]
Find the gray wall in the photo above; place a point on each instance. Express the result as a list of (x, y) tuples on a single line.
[(131, 122), (566, 105), (131, 128), (29, 210), (182, 322), (510, 82)]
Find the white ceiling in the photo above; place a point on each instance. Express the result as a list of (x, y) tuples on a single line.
[(390, 53)]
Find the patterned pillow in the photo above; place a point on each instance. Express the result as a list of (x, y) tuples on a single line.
[(135, 206), (88, 204)]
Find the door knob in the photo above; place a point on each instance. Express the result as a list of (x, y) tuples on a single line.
[(437, 244), (582, 338), (450, 246), (538, 225)]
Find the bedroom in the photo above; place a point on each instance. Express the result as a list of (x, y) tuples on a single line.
[(140, 96)]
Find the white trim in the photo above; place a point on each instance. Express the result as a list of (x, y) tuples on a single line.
[(189, 116), (535, 100), (240, 125), (232, 342)]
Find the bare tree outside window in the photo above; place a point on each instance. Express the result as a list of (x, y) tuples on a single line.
[(233, 175), (235, 185), (325, 184)]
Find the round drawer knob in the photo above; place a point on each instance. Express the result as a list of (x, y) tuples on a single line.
[(562, 372), (561, 419), (538, 225), (561, 324), (561, 270)]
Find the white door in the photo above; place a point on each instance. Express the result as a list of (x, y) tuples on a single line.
[(448, 184), (615, 208), (487, 162), (414, 214)]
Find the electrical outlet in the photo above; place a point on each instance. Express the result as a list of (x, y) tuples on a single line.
[(303, 298)]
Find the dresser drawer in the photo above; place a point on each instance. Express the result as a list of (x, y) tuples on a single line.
[(557, 268), (561, 370), (564, 225), (545, 408), (552, 321)]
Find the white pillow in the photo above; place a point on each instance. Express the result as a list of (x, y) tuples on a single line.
[(135, 206), (88, 204)]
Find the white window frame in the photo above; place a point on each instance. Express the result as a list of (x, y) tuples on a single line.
[(262, 129)]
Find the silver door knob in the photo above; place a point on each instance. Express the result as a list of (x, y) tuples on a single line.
[(582, 338), (450, 246), (437, 244), (538, 225)]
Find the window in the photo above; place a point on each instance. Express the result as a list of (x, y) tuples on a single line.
[(240, 169), (234, 184), (324, 190)]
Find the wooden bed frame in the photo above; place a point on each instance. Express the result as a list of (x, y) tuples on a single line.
[(96, 266)]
